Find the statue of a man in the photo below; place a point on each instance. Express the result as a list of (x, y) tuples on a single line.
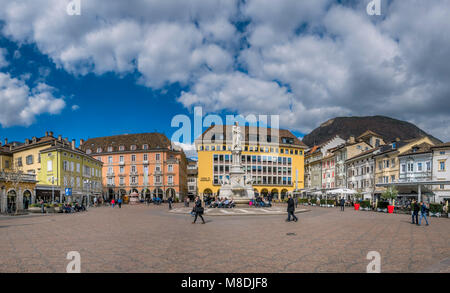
[(236, 137)]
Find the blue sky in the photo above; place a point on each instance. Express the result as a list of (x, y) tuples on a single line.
[(122, 68)]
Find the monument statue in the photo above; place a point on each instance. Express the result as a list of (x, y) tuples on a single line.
[(238, 187)]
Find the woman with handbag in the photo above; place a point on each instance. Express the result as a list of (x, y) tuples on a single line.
[(198, 209)]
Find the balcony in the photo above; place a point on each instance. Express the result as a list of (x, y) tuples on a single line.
[(134, 183), (110, 174), (121, 163), (158, 184), (156, 172), (145, 162), (133, 173)]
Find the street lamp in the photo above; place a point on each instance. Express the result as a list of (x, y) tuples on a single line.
[(88, 183)]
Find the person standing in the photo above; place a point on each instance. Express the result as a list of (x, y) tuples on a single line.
[(198, 210), (270, 199), (42, 206), (119, 201), (291, 209), (415, 212), (342, 204), (113, 202), (423, 212)]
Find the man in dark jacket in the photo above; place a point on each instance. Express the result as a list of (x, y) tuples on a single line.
[(198, 210), (170, 200), (342, 204), (415, 212), (291, 209)]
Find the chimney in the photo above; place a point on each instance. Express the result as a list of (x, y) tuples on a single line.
[(73, 144), (46, 133), (351, 139), (6, 141), (51, 133), (34, 139), (81, 142), (59, 137), (0, 143), (27, 141), (66, 139)]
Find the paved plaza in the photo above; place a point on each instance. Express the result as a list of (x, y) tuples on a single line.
[(150, 239)]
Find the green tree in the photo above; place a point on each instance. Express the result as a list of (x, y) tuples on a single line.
[(390, 194)]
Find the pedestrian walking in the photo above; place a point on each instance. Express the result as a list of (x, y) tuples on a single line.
[(415, 212), (291, 209), (423, 212), (119, 201), (170, 200), (342, 204), (113, 202), (198, 210)]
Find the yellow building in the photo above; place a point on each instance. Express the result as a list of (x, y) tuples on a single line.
[(387, 164), (27, 157), (274, 159)]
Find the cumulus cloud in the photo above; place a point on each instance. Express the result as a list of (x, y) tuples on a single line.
[(3, 61), (189, 149), (75, 107), (21, 105), (307, 61)]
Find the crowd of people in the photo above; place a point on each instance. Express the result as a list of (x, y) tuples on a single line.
[(222, 203)]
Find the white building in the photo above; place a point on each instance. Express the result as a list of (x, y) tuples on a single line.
[(441, 170), (361, 173), (415, 164)]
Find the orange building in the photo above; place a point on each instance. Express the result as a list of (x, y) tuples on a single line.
[(147, 163)]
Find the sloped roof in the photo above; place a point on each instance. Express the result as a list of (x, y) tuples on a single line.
[(418, 149), (227, 129), (441, 145), (154, 140)]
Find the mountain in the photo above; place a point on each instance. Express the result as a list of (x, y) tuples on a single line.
[(387, 127)]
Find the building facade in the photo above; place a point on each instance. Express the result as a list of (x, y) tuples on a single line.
[(441, 171), (387, 165), (32, 158), (361, 173), (147, 164), (416, 164), (67, 170), (273, 159), (192, 174)]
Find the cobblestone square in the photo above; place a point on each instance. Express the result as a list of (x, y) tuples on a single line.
[(150, 239)]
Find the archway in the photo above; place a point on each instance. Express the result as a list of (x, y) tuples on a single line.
[(110, 193), (146, 194), (207, 195), (264, 192), (11, 201), (284, 193), (274, 193), (171, 192), (122, 193), (26, 199), (158, 193)]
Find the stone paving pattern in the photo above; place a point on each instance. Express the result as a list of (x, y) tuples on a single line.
[(149, 239)]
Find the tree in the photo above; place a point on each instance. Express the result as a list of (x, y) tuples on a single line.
[(390, 194)]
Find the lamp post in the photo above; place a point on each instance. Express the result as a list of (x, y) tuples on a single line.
[(53, 179)]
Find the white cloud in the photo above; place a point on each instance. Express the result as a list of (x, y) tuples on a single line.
[(189, 149), (307, 61), (3, 61), (75, 107), (21, 105)]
